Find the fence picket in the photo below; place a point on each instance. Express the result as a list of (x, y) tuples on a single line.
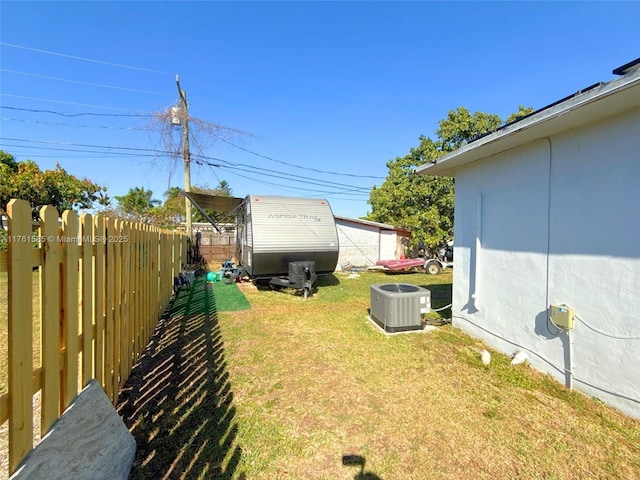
[(86, 223), (117, 306), (69, 323), (99, 288), (50, 317), (20, 338), (109, 340), (125, 352)]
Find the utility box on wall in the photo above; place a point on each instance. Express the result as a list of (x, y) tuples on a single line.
[(563, 316), (398, 307)]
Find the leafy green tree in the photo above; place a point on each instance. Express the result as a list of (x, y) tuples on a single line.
[(56, 187), (173, 210), (8, 160), (138, 205), (461, 127), (425, 203), (520, 114), (224, 189)]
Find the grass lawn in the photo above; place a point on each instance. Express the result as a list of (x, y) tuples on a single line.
[(295, 389)]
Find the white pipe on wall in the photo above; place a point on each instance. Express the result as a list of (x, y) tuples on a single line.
[(478, 256)]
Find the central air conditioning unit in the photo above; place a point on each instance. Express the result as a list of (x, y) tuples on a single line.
[(398, 307)]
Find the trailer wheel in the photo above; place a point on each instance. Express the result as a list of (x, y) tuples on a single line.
[(433, 268)]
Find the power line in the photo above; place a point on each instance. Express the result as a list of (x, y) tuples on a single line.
[(194, 155), (298, 166), (62, 102), (235, 168), (41, 122), (93, 114), (84, 59), (289, 187), (354, 190), (81, 82), (283, 175), (292, 175), (123, 155), (79, 151), (51, 142)]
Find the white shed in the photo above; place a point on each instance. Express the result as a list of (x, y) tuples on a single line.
[(547, 212), (363, 243)]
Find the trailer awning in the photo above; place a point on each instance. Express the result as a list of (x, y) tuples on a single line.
[(214, 202), (220, 204)]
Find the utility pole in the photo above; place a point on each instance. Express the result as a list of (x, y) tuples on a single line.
[(185, 151)]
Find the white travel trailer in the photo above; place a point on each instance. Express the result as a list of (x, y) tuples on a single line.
[(273, 231)]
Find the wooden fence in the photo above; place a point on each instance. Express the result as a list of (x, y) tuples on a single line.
[(103, 286)]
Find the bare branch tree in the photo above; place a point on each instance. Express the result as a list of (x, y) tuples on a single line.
[(202, 133)]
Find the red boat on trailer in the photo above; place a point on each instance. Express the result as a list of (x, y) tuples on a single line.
[(431, 265)]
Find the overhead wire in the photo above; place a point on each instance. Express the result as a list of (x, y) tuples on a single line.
[(353, 190), (299, 166), (286, 175), (51, 142), (69, 124), (226, 165), (84, 59), (288, 187), (79, 151), (62, 102), (100, 85), (235, 167), (224, 140), (92, 114)]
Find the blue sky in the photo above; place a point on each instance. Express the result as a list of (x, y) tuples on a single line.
[(328, 91)]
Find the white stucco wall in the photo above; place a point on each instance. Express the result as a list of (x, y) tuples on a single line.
[(388, 245), (560, 223), (359, 244)]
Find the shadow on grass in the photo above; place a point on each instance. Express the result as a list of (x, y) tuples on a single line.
[(330, 280), (178, 402), (327, 281), (359, 461)]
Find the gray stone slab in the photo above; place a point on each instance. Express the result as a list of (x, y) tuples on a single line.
[(89, 441)]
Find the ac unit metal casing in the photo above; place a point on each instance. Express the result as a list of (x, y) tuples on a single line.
[(398, 307)]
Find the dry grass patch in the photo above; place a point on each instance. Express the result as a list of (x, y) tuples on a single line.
[(314, 381)]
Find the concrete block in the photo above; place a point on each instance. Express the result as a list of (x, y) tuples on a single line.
[(89, 441)]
